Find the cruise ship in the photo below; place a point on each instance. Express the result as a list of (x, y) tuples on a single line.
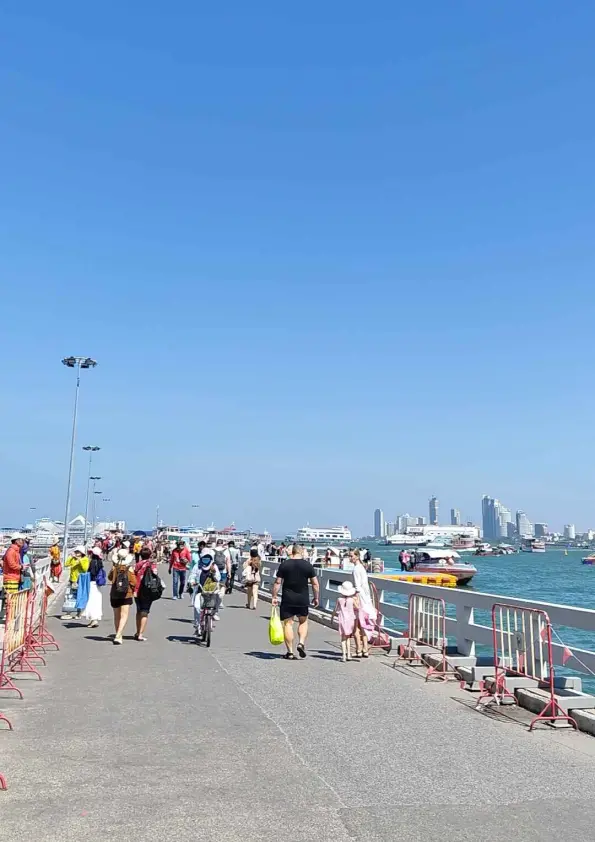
[(323, 535)]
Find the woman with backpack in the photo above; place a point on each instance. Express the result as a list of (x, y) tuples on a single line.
[(148, 589), (123, 583)]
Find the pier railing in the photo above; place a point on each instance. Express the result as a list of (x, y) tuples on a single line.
[(464, 626)]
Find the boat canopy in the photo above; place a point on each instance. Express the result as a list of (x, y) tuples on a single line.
[(437, 554)]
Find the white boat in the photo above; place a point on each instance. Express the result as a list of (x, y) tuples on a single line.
[(429, 560), (309, 535)]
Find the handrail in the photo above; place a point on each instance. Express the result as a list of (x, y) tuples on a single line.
[(461, 628)]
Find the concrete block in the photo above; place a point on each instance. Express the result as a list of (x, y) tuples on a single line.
[(536, 700)]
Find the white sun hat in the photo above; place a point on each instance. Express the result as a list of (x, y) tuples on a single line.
[(347, 589)]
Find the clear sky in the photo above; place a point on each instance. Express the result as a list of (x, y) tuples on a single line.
[(329, 256)]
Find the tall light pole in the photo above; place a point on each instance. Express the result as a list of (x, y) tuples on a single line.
[(91, 449), (94, 481), (106, 500), (194, 506), (93, 524), (77, 363)]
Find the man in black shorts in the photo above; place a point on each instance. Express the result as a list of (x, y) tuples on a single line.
[(296, 574)]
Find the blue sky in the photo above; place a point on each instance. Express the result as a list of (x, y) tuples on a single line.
[(329, 256)]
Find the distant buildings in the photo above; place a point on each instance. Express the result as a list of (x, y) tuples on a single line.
[(455, 517), (379, 527), (570, 531), (433, 511), (421, 521), (541, 530)]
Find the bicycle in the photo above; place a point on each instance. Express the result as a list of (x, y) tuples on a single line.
[(207, 612)]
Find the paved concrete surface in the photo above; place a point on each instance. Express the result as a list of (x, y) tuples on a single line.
[(165, 740)]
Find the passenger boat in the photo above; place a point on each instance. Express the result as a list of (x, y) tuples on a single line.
[(532, 545), (443, 561), (590, 559)]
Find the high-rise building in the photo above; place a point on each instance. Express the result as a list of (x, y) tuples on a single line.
[(570, 531), (511, 529), (389, 528), (490, 517), (421, 521), (504, 518), (379, 530), (433, 511), (455, 517), (524, 527), (541, 530), (404, 522)]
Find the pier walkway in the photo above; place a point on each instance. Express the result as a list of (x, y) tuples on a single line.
[(168, 741)]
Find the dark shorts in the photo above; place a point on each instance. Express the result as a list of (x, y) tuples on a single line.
[(116, 602), (287, 612), (143, 606)]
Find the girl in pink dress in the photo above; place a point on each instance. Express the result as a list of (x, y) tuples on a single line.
[(346, 609)]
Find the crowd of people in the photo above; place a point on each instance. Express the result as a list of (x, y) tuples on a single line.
[(134, 579)]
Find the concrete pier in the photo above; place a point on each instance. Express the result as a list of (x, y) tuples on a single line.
[(167, 740)]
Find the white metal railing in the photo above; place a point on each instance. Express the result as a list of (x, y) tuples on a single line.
[(461, 627)]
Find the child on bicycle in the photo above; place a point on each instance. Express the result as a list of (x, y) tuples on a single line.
[(204, 577)]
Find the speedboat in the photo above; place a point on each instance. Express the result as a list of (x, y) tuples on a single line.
[(444, 561), (590, 559)]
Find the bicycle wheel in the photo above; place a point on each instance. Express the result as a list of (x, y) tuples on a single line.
[(208, 624)]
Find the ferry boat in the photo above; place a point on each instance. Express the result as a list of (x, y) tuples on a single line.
[(403, 540), (309, 535), (532, 545), (444, 561), (463, 543)]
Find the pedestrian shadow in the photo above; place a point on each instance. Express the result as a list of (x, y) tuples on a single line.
[(179, 638), (83, 624), (324, 655), (98, 639), (181, 619), (264, 656)]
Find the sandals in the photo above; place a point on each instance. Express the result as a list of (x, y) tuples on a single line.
[(289, 656), (301, 649)]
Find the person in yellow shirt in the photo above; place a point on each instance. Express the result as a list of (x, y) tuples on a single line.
[(55, 562), (78, 563)]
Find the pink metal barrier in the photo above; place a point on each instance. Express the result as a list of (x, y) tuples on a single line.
[(426, 635), (14, 648), (38, 639), (522, 639)]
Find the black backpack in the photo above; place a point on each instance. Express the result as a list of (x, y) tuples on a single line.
[(151, 586), (121, 583)]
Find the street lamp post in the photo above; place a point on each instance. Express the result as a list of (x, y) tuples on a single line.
[(94, 480), (77, 363), (91, 449), (93, 524), (194, 506)]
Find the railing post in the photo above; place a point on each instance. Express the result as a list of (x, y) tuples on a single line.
[(465, 619)]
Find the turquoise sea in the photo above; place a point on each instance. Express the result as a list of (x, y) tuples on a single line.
[(548, 577)]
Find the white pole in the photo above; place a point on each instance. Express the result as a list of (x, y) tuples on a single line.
[(87, 498), (71, 465)]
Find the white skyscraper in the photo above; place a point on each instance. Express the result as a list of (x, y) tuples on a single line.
[(570, 531), (524, 527), (455, 517), (379, 528)]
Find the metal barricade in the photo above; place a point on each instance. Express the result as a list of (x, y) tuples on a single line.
[(14, 647), (426, 636), (522, 640)]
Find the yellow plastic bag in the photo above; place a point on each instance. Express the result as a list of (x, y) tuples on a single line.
[(275, 627)]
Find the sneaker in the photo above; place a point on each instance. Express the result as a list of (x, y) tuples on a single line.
[(67, 616), (118, 640), (216, 617), (175, 597), (93, 624)]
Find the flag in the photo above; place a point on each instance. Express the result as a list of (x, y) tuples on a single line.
[(567, 654)]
